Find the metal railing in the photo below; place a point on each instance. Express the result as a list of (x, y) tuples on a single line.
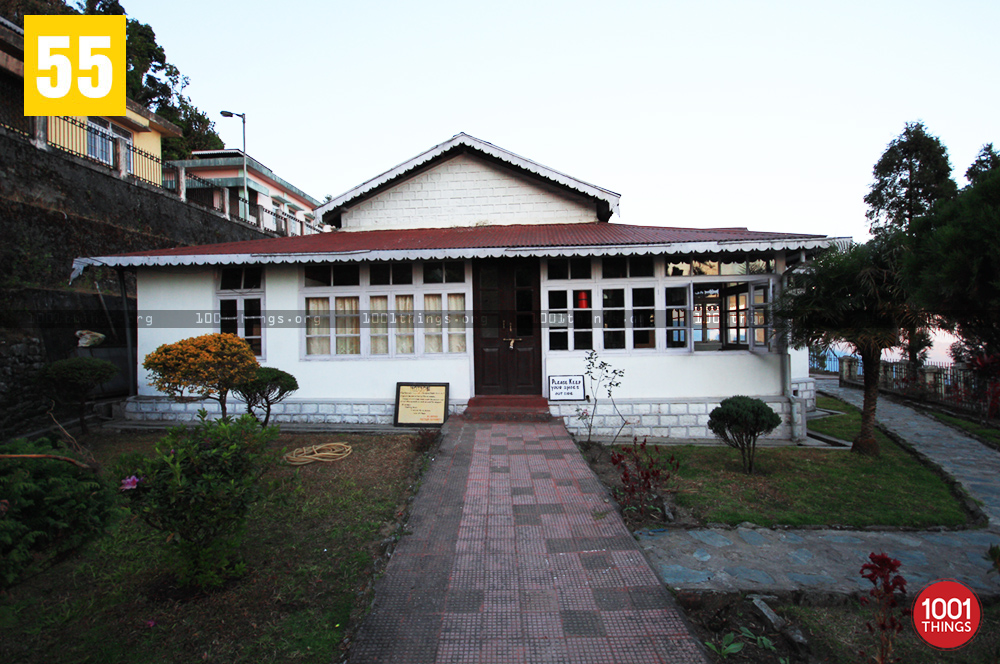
[(954, 386)]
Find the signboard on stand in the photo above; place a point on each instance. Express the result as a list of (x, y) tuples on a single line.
[(421, 404)]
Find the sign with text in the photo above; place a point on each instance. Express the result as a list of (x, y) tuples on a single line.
[(74, 65), (566, 388), (421, 404)]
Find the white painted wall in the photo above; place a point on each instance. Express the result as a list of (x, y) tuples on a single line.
[(193, 289), (681, 376), (467, 191), (800, 362), (164, 294)]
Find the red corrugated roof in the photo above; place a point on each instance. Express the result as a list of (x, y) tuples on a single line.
[(479, 237)]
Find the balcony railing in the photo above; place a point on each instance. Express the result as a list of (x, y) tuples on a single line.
[(116, 153)]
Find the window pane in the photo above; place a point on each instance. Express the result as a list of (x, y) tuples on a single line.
[(614, 298), (583, 340), (676, 297), (733, 268), (614, 267), (347, 326), (643, 339), (558, 340), (432, 324), (557, 299), (704, 267), (379, 274), (228, 323), (579, 268), (581, 299), (346, 275), (252, 278), (681, 269), (640, 266), (317, 326), (316, 276), (402, 273), (614, 339), (614, 318), (434, 273), (252, 318), (642, 297), (232, 278), (454, 272), (558, 268)]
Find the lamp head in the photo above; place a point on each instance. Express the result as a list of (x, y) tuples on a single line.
[(226, 114)]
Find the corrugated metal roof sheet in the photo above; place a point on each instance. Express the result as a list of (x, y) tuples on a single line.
[(480, 237)]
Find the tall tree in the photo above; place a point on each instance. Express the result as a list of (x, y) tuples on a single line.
[(953, 263), (912, 175), (986, 162), (851, 296)]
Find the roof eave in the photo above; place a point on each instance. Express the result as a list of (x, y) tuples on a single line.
[(713, 247)]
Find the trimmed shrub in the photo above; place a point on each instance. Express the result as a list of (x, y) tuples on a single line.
[(198, 490), (48, 507), (209, 365), (739, 421), (267, 388), (72, 380)]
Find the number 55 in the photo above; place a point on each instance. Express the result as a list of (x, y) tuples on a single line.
[(64, 68)]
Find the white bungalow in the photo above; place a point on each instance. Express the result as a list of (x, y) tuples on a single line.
[(475, 267)]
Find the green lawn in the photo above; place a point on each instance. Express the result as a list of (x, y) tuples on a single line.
[(799, 486), (310, 552)]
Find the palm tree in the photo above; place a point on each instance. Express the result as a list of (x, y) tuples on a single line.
[(851, 296)]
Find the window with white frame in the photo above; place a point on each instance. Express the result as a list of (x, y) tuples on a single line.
[(101, 141), (374, 310), (241, 296), (695, 311)]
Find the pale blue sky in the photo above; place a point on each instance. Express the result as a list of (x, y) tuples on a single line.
[(699, 113)]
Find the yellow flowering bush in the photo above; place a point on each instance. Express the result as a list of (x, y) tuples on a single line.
[(209, 366)]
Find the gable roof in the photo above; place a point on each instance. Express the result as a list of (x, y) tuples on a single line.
[(607, 199), (473, 242)]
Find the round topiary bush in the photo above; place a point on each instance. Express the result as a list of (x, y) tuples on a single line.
[(739, 421), (267, 388)]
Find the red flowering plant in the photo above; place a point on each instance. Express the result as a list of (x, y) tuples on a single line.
[(641, 473), (885, 598)]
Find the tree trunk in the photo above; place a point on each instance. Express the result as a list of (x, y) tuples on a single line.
[(865, 443)]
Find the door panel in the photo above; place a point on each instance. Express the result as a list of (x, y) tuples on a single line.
[(507, 337)]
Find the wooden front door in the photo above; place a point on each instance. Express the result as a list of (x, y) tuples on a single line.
[(507, 338)]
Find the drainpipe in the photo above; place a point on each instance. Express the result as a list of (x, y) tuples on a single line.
[(797, 430)]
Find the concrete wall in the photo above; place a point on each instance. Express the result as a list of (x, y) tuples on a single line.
[(55, 207), (467, 191)]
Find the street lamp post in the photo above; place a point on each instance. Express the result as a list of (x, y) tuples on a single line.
[(243, 117)]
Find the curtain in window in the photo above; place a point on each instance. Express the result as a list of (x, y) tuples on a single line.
[(432, 324), (380, 324), (404, 325), (317, 326), (456, 323), (348, 325)]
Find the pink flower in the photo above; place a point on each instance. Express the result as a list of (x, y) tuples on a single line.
[(130, 483), (150, 623)]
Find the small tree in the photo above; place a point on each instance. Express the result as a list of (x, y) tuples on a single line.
[(209, 365), (600, 375), (739, 421), (267, 388), (198, 490), (852, 296), (72, 380), (50, 503), (886, 594)]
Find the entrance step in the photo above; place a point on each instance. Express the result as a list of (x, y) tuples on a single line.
[(508, 408)]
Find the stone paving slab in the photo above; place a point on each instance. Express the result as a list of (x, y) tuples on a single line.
[(829, 561), (514, 555)]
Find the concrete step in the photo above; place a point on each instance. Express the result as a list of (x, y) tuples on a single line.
[(508, 408)]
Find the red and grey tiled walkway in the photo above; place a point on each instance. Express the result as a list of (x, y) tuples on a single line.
[(514, 555)]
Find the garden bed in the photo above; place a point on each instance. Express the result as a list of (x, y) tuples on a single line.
[(312, 551)]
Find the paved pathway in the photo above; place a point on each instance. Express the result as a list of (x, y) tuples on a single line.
[(515, 555), (761, 559)]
